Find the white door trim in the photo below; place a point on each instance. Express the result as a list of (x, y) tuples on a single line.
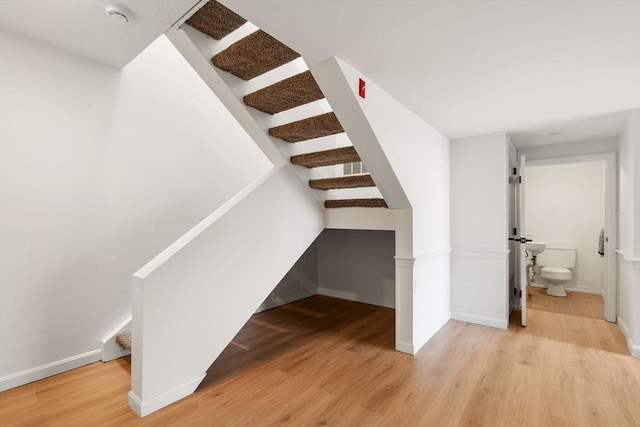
[(521, 259)]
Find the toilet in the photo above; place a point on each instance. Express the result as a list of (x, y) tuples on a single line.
[(556, 263)]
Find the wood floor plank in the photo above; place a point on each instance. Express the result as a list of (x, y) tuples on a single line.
[(324, 361)]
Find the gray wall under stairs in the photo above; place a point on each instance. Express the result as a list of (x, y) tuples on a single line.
[(351, 264)]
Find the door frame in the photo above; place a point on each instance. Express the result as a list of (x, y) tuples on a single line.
[(610, 219), (523, 277)]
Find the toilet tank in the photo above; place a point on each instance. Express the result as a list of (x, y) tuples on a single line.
[(564, 257)]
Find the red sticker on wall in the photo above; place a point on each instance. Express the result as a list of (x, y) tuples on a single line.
[(361, 88)]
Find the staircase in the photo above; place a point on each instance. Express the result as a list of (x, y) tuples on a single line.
[(212, 279), (255, 56), (124, 340)]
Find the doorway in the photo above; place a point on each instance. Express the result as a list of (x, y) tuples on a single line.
[(569, 200)]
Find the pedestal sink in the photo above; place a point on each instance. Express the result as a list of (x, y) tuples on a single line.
[(535, 248)]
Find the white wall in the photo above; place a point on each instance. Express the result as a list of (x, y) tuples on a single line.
[(479, 223), (100, 170), (409, 161), (565, 206), (357, 265), (211, 280), (300, 282), (629, 189), (629, 237)]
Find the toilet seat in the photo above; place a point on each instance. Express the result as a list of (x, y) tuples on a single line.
[(556, 273)]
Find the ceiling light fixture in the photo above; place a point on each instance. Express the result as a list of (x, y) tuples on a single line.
[(118, 14)]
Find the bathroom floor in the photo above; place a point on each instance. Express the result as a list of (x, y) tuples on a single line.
[(576, 303)]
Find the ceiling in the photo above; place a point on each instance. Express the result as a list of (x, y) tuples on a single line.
[(467, 67), (607, 126), (83, 27), (476, 67)]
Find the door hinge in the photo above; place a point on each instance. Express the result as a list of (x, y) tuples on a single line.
[(520, 293), (515, 291), (520, 180)]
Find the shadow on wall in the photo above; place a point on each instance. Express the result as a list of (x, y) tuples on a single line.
[(300, 282), (358, 265)]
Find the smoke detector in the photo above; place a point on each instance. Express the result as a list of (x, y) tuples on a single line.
[(118, 14)]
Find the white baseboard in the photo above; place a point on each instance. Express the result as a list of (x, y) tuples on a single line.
[(50, 369), (537, 285), (278, 301), (110, 348), (351, 296), (585, 290), (405, 347), (144, 408), (480, 320), (634, 349), (570, 288), (422, 341)]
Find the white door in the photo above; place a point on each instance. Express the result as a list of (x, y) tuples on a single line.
[(521, 259)]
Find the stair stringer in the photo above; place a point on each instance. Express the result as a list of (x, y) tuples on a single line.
[(409, 162), (191, 300), (223, 91), (110, 348)]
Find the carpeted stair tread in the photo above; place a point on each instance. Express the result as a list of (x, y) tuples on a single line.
[(335, 156), (350, 181), (254, 55), (286, 94), (309, 128), (355, 203), (124, 339), (215, 20)]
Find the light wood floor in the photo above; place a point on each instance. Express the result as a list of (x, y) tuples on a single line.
[(324, 361), (575, 303)]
